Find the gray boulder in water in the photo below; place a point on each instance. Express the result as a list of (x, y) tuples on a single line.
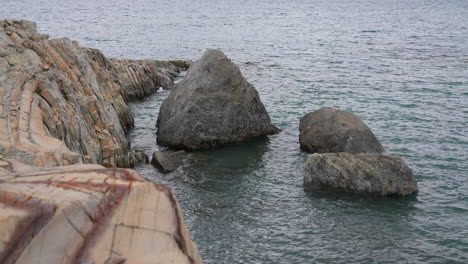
[(333, 130), (212, 106), (365, 173), (167, 161)]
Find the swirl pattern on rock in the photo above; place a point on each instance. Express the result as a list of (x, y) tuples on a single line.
[(212, 106), (364, 173), (61, 103), (88, 214), (333, 130)]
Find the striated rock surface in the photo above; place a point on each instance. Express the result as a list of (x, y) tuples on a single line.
[(213, 105), (63, 104), (365, 173), (169, 70), (140, 78), (88, 214), (333, 130)]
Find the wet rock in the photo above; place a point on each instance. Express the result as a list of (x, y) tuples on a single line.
[(212, 106), (333, 130), (89, 214), (365, 173), (167, 161), (141, 157)]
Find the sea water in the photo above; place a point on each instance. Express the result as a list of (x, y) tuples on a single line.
[(402, 66)]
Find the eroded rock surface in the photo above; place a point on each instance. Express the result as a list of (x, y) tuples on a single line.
[(333, 130), (213, 105), (365, 173), (88, 214), (63, 104)]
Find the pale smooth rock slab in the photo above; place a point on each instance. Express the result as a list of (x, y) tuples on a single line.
[(89, 214)]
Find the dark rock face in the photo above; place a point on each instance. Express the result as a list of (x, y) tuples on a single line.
[(212, 106), (168, 161), (333, 130), (365, 173)]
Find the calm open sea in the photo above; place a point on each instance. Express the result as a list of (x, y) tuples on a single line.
[(402, 66)]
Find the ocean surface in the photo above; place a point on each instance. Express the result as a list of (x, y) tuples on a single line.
[(402, 66)]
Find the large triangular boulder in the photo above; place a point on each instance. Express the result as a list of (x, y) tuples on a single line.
[(212, 106)]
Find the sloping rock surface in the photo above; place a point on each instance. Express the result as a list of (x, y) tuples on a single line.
[(365, 173), (213, 105), (63, 104), (88, 214), (167, 161), (333, 130)]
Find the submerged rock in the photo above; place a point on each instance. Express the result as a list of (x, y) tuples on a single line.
[(333, 130), (167, 161), (89, 214), (365, 173), (212, 106)]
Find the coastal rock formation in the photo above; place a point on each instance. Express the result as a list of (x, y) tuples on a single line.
[(365, 173), (89, 214), (138, 78), (141, 78), (169, 70), (63, 104), (333, 130), (213, 105)]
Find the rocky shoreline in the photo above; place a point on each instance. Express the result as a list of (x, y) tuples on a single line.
[(64, 110), (64, 107)]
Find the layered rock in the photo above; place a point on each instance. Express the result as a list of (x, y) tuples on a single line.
[(170, 70), (213, 105), (365, 173), (63, 104), (141, 78), (88, 214), (333, 130)]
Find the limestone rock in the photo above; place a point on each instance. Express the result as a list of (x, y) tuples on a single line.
[(57, 98), (333, 130), (213, 105), (365, 173), (89, 214)]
